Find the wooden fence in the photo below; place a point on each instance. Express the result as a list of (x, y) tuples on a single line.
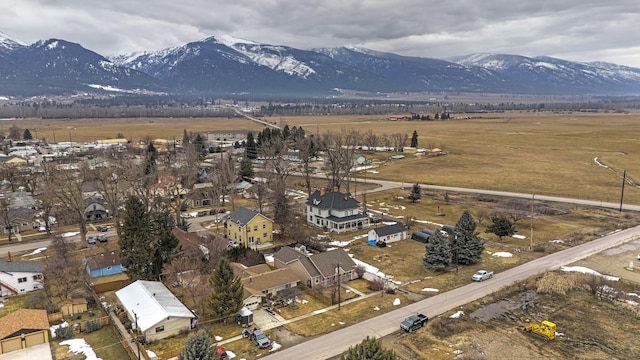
[(53, 317), (111, 285)]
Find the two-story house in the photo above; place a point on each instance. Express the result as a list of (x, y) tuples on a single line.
[(335, 211), (19, 277), (248, 227)]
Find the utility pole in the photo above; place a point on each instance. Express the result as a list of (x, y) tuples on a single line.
[(624, 179), (531, 237), (137, 332)]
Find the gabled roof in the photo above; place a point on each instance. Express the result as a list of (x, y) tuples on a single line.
[(21, 266), (152, 303), (242, 216), (326, 262), (390, 229), (102, 260), (287, 255), (23, 319), (332, 200), (260, 277)]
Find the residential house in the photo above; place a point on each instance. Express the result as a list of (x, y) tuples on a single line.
[(200, 195), (18, 277), (23, 328), (388, 233), (191, 240), (73, 306), (154, 310), (17, 220), (317, 269), (248, 227), (335, 211), (103, 264), (168, 187), (260, 282), (14, 160), (94, 209)]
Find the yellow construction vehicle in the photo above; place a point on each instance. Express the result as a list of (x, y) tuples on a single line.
[(545, 328)]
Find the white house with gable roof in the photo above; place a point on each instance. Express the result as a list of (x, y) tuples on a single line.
[(156, 311)]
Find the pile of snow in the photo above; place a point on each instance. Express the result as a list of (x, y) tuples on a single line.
[(36, 251), (231, 354), (430, 290), (269, 259), (502, 254), (376, 308), (79, 346), (152, 355), (457, 314), (396, 301), (69, 234), (557, 241), (586, 270), (218, 338), (518, 236), (340, 243), (54, 327), (369, 268)]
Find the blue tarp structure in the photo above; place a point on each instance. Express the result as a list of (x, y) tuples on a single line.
[(371, 242)]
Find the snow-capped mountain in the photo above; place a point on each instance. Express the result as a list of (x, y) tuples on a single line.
[(226, 65), (551, 75), (56, 66)]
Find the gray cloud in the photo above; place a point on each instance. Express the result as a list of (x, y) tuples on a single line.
[(579, 30)]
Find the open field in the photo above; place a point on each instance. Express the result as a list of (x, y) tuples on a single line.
[(542, 153)]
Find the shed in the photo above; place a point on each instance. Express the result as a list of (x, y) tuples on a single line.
[(245, 317), (73, 306)]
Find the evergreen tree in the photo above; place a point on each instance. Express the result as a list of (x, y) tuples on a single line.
[(246, 168), (252, 147), (369, 349), (198, 347), (226, 295), (416, 193), (468, 243), (199, 146), (150, 159), (438, 256), (501, 226), (436, 116), (165, 242), (27, 135), (414, 139), (134, 241)]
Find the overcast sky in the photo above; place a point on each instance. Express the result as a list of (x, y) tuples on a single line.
[(577, 30)]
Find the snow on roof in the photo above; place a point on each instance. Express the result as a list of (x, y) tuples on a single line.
[(152, 303)]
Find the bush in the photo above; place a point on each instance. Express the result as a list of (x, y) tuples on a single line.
[(92, 325), (376, 284), (558, 284), (445, 327), (64, 332)]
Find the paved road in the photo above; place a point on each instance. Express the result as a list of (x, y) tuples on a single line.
[(337, 342)]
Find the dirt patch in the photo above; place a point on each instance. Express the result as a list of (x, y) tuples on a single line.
[(285, 337)]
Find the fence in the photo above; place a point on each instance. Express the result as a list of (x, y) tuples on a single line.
[(105, 320), (111, 285), (55, 317)]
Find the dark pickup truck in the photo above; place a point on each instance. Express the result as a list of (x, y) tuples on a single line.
[(414, 322)]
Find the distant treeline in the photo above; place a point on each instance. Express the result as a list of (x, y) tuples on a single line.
[(167, 106)]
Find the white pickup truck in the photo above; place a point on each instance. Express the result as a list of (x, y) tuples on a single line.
[(482, 275)]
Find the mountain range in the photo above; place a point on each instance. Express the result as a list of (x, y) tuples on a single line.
[(225, 65)]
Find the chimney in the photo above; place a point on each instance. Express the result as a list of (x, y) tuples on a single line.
[(9, 256), (322, 191), (336, 188)]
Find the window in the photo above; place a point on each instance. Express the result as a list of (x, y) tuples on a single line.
[(264, 226), (109, 268), (264, 235), (22, 280), (160, 329), (248, 229), (265, 291), (255, 227), (37, 277)]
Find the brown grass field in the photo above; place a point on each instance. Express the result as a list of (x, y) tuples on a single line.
[(542, 153)]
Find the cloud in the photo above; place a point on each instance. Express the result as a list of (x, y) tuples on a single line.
[(586, 30)]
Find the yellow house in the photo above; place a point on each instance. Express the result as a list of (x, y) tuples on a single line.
[(23, 328), (14, 160), (248, 227)]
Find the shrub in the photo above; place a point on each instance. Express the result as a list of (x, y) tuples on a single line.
[(558, 284), (92, 325), (64, 332), (376, 284)]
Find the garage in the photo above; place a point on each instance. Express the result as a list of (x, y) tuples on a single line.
[(10, 345), (35, 338)]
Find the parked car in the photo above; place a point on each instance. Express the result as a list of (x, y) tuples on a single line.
[(234, 243), (91, 240), (257, 337), (102, 238), (414, 322), (102, 228)]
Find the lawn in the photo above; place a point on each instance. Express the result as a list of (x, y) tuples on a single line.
[(104, 342)]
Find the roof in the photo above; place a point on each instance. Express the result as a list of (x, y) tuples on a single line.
[(242, 215), (390, 229), (287, 255), (30, 319), (260, 277), (332, 200), (326, 262), (21, 266), (102, 260), (151, 302)]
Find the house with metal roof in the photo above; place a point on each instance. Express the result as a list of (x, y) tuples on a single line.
[(19, 277), (388, 233), (248, 227), (317, 269), (335, 211), (154, 310)]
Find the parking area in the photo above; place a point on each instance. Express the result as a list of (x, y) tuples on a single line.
[(265, 320)]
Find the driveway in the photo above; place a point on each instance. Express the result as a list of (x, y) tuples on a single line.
[(40, 352)]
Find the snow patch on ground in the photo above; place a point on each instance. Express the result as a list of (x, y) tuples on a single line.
[(54, 327), (320, 311), (396, 301), (519, 236), (376, 308), (151, 354), (218, 338), (586, 270), (79, 346), (370, 269), (36, 251), (231, 354), (69, 234), (275, 347), (557, 241), (430, 290), (269, 259), (502, 254), (457, 314)]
